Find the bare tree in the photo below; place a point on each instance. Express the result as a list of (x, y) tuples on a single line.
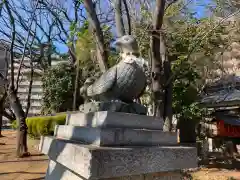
[(67, 26), (118, 18), (32, 57), (161, 69), (2, 102), (65, 22), (157, 69), (102, 55), (168, 89), (12, 93), (15, 104), (50, 30), (42, 40), (3, 83), (127, 17)]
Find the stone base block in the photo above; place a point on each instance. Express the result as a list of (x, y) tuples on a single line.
[(114, 120), (113, 106), (91, 162), (114, 136), (60, 172)]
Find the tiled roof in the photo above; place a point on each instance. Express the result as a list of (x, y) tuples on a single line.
[(222, 96)]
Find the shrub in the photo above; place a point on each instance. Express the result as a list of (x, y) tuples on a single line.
[(14, 124), (42, 125), (58, 88)]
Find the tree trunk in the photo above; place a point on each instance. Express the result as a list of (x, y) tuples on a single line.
[(22, 149), (157, 69), (128, 17), (12, 94), (118, 18), (98, 34), (2, 102), (29, 89), (49, 55), (167, 101), (72, 54), (168, 113), (9, 115), (76, 87), (1, 119), (187, 129), (156, 76)]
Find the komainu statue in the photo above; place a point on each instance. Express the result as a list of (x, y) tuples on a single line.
[(117, 88)]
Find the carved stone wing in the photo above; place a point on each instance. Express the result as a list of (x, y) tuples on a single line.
[(104, 83)]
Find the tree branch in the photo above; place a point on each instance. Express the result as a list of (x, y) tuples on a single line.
[(24, 48), (11, 117), (157, 69), (118, 18), (30, 84), (128, 17), (97, 31), (12, 22)]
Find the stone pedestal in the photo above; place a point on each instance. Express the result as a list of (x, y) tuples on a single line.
[(113, 106), (94, 148)]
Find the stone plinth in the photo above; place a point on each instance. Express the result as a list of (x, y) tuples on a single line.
[(57, 171), (89, 162), (113, 106), (114, 136), (115, 146), (114, 120)]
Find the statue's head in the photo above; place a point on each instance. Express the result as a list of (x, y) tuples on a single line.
[(127, 44)]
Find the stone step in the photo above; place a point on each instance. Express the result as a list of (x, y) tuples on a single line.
[(58, 171), (114, 120), (91, 162), (115, 136)]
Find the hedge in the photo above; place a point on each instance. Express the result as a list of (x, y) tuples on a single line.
[(42, 125)]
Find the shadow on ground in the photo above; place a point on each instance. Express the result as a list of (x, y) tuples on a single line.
[(17, 161), (229, 163), (41, 178), (21, 172)]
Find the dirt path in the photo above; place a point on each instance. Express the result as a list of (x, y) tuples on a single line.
[(34, 167), (12, 168), (216, 174)]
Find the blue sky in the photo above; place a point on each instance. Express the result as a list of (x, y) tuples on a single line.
[(197, 6)]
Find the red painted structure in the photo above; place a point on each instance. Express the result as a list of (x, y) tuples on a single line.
[(227, 130)]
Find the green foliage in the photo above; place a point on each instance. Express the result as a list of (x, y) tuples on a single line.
[(14, 124), (58, 88), (42, 125), (185, 92), (191, 47), (86, 50), (84, 46)]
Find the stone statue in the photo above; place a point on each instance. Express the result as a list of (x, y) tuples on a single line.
[(122, 83)]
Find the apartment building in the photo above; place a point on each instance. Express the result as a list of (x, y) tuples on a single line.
[(23, 87), (24, 80)]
